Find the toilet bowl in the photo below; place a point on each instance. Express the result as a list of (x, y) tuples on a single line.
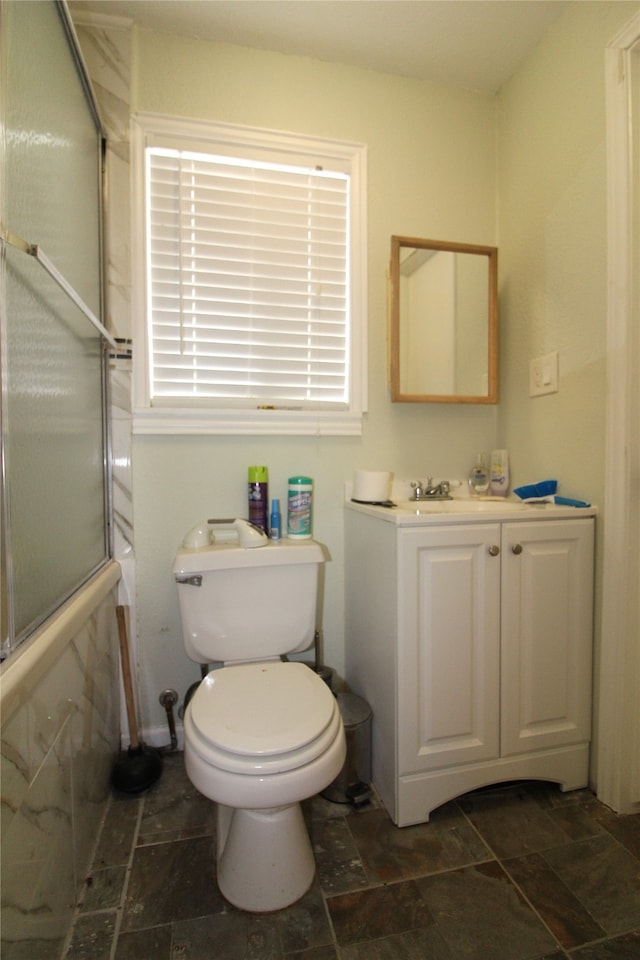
[(259, 738), (262, 733)]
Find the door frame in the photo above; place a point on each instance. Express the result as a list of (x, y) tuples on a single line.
[(618, 735)]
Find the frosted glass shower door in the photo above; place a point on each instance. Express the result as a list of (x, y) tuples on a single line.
[(54, 443), (54, 422)]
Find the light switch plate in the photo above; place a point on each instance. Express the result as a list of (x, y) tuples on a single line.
[(543, 375)]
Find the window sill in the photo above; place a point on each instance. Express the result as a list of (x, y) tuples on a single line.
[(165, 422)]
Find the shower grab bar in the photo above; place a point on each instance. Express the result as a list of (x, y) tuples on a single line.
[(33, 250)]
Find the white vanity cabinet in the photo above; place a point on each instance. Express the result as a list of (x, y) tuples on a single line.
[(472, 641)]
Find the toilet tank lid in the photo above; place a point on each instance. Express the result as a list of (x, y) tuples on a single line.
[(230, 556)]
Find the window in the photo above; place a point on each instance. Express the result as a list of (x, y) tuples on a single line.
[(251, 280)]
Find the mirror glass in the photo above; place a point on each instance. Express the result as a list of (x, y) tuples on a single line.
[(443, 322)]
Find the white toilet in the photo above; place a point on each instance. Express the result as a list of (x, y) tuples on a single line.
[(261, 734)]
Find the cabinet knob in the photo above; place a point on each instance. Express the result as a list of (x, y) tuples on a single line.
[(494, 550), (517, 549)]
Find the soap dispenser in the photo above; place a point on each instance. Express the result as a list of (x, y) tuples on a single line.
[(479, 477), (499, 474)]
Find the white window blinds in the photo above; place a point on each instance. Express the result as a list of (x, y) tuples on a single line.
[(248, 269)]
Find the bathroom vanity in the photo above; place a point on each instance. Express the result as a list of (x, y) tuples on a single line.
[(469, 631)]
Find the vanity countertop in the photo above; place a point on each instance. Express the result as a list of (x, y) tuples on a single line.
[(467, 510)]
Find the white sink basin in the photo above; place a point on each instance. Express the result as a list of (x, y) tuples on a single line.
[(494, 505)]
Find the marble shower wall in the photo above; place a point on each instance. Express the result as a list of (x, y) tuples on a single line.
[(105, 43), (58, 747), (107, 54)]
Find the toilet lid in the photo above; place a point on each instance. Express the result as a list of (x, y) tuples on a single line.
[(262, 711)]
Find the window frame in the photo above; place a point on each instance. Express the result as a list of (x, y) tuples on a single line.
[(160, 130)]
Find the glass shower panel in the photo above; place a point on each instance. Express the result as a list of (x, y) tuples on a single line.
[(53, 364), (52, 153), (54, 444)]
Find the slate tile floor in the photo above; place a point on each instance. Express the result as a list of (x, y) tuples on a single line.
[(514, 872)]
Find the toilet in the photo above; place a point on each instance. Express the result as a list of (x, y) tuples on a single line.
[(260, 733)]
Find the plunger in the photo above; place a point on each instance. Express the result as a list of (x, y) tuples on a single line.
[(139, 766)]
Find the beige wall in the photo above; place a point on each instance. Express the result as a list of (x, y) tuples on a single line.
[(435, 157), (431, 165), (552, 235), (553, 248)]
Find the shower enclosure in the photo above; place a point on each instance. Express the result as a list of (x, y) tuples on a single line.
[(59, 697), (55, 503)]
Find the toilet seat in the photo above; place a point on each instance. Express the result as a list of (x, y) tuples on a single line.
[(262, 718)]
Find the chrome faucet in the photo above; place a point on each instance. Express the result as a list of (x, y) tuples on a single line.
[(427, 490)]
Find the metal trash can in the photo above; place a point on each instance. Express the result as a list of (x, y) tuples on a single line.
[(353, 783), (325, 673)]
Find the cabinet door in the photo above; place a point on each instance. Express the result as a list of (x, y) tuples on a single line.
[(448, 646), (547, 601)]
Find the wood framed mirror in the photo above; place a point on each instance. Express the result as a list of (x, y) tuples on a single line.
[(443, 322)]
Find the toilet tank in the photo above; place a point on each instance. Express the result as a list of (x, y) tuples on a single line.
[(238, 603)]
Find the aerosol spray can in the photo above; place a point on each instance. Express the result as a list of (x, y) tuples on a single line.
[(259, 496)]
